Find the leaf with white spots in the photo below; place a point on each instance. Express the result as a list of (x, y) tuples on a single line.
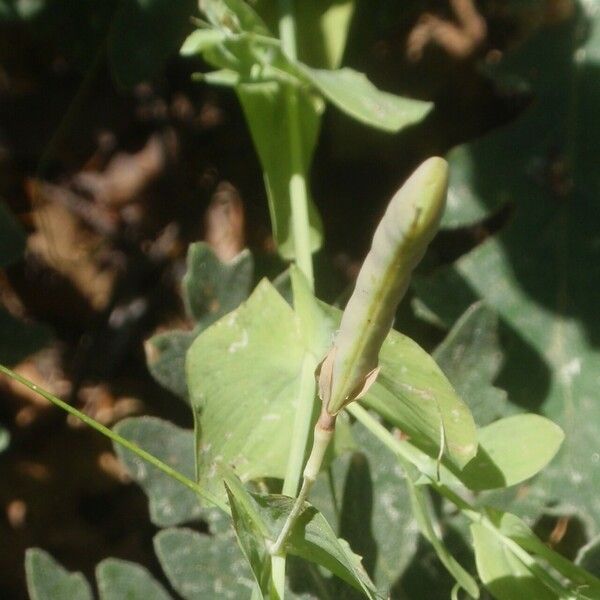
[(200, 566), (120, 579), (539, 272), (170, 503), (48, 580)]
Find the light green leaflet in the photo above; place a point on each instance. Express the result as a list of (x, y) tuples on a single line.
[(408, 225)]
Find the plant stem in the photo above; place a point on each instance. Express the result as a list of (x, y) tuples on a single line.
[(115, 437), (298, 191), (324, 430)]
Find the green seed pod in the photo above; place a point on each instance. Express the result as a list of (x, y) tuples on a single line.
[(408, 225)]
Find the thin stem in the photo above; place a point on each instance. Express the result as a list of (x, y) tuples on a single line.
[(115, 437), (298, 195), (298, 190), (323, 434)]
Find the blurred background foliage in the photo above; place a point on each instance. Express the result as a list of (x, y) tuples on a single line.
[(112, 162)]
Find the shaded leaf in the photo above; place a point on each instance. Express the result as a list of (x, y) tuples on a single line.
[(199, 566), (144, 33), (537, 271), (48, 580), (121, 579), (169, 502), (211, 288), (471, 358), (370, 507)]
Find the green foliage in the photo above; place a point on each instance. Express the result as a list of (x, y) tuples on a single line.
[(536, 271), (169, 503), (47, 580), (210, 290), (259, 518), (471, 358), (200, 566), (119, 579), (280, 93)]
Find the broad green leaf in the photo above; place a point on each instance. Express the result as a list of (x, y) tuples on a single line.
[(471, 357), (503, 574), (356, 96), (200, 566), (12, 238), (121, 579), (537, 273), (424, 515), (311, 538), (512, 450), (243, 378), (144, 34), (48, 580), (321, 28), (211, 288), (412, 393), (4, 438), (400, 241), (266, 109), (170, 503)]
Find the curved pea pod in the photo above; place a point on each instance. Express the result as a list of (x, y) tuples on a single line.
[(401, 238)]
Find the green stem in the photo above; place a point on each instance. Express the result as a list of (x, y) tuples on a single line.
[(297, 189), (298, 194), (323, 433), (115, 437)]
